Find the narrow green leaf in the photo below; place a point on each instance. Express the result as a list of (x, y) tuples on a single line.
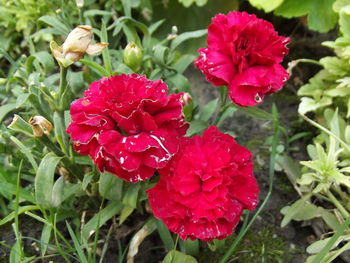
[(46, 60), (196, 126), (45, 238), (209, 110), (15, 253), (340, 230), (153, 28), (226, 114), (190, 247), (255, 112), (131, 195), (87, 180), (26, 152), (161, 55), (112, 209), (105, 53), (96, 12), (124, 214), (6, 109), (60, 132), (165, 235), (21, 210), (44, 180), (183, 62), (294, 209), (57, 192), (77, 244), (110, 187), (97, 68), (186, 36), (55, 23), (21, 99)]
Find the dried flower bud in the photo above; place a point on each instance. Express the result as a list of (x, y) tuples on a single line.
[(133, 56), (186, 98), (40, 126), (77, 44)]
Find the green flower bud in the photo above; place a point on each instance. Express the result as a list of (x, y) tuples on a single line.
[(133, 56)]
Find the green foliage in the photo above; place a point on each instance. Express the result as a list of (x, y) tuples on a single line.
[(59, 189), (320, 16), (329, 88), (187, 3), (174, 256)]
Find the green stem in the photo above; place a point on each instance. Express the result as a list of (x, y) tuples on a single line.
[(344, 144), (244, 230), (223, 105), (343, 196), (341, 208), (63, 80), (63, 89), (18, 235)]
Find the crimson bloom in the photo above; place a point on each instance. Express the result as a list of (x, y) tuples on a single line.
[(204, 189), (244, 53), (128, 125)]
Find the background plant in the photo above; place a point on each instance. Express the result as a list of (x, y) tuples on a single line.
[(323, 181)]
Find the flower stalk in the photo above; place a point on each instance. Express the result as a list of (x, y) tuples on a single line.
[(63, 94), (244, 230)]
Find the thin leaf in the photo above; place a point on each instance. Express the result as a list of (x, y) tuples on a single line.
[(112, 209), (294, 209), (186, 36), (105, 53), (44, 180), (26, 152), (209, 110), (165, 235), (77, 244), (55, 23), (196, 126), (255, 112), (6, 109)]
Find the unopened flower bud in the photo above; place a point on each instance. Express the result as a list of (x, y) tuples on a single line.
[(133, 56), (40, 126), (80, 3), (173, 34), (186, 98), (174, 30), (77, 44)]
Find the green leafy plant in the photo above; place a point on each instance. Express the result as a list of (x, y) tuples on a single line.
[(320, 16)]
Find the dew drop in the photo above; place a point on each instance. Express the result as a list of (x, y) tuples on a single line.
[(258, 98)]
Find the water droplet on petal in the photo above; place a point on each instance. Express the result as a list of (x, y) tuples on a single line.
[(258, 98)]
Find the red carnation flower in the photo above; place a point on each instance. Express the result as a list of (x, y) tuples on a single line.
[(128, 125), (244, 53), (203, 190)]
